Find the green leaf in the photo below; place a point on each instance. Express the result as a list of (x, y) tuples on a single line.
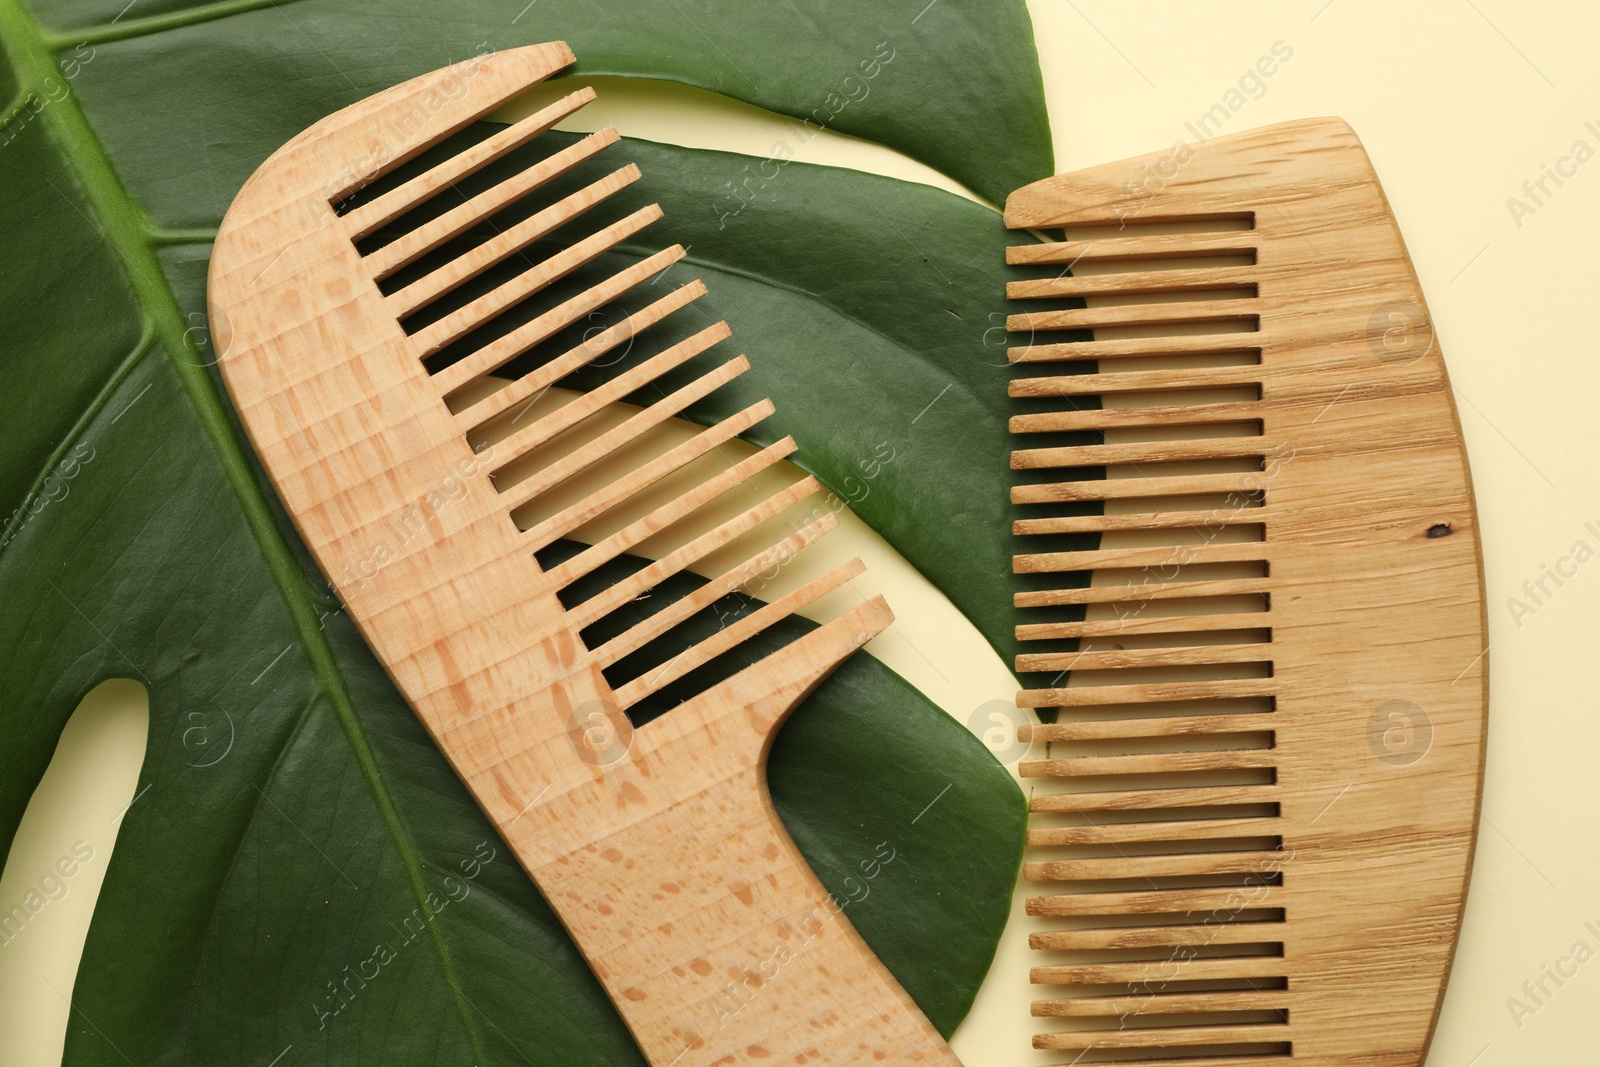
[(953, 84), (293, 815)]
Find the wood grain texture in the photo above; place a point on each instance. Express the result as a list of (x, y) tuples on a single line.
[(1268, 750), (658, 846)]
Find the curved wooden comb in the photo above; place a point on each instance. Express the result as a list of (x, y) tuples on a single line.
[(659, 848), (1271, 746)]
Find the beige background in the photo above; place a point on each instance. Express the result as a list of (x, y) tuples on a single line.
[(1459, 103)]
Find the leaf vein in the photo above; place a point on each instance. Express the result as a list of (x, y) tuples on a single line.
[(79, 428), (141, 27)]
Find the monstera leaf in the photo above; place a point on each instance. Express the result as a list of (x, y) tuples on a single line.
[(301, 869)]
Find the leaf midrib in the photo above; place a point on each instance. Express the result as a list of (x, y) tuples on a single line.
[(128, 231)]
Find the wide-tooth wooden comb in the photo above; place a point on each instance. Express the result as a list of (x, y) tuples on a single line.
[(1260, 802), (658, 846)]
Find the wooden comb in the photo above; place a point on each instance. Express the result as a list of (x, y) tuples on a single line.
[(659, 846), (1261, 795)]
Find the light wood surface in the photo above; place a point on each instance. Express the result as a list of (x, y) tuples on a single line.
[(658, 846), (1260, 803)]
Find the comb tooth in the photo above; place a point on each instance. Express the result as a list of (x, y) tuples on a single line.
[(383, 209), (1167, 1004), (1150, 520), (1158, 763), (1247, 1060), (1168, 1036), (469, 265), (1173, 314), (1135, 594), (1094, 695), (1135, 381), (1224, 899), (1177, 625), (1133, 347), (1186, 865), (537, 381), (1111, 594), (497, 301), (502, 350), (1119, 658), (735, 633), (1227, 242), (603, 500), (569, 415), (1140, 452), (1119, 488), (608, 443), (1151, 281), (682, 608), (1148, 799), (1150, 832), (1113, 418), (1157, 556), (1158, 973), (613, 597), (430, 235), (1164, 726), (1115, 937), (670, 512)]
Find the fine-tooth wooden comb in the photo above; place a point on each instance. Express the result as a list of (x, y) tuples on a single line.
[(1258, 810), (658, 846)]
